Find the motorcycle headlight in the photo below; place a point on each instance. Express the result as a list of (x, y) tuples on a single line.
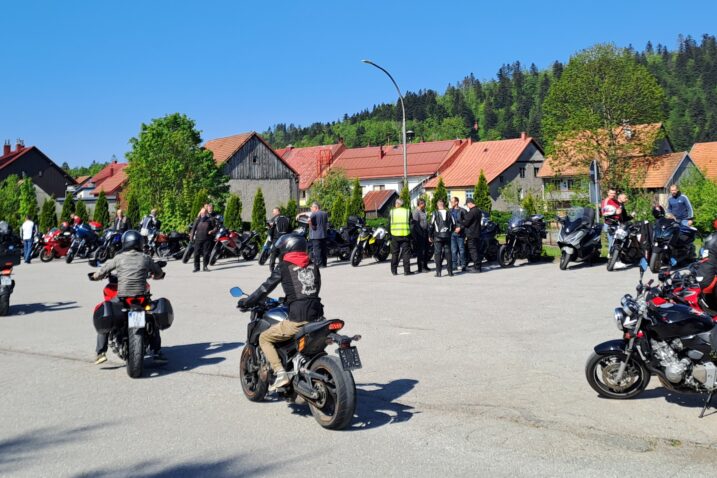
[(619, 316), (620, 234)]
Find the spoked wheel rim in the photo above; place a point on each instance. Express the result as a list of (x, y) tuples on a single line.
[(326, 403), (605, 373)]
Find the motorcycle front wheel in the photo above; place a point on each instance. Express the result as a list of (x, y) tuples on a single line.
[(505, 256), (564, 260), (250, 252), (135, 357), (601, 371), (613, 259), (47, 256), (214, 256), (252, 383), (102, 254), (70, 256), (356, 256), (264, 257), (336, 404)]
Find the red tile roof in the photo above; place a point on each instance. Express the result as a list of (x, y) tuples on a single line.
[(225, 148), (309, 162), (705, 157), (424, 159), (492, 157), (81, 179), (660, 169), (110, 179), (375, 200)]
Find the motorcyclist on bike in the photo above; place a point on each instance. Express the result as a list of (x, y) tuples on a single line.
[(706, 272), (301, 281), (131, 268)]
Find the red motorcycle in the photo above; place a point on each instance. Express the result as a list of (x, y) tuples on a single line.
[(683, 288), (232, 244), (57, 243)]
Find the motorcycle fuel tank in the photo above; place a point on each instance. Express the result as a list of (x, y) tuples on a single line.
[(677, 320)]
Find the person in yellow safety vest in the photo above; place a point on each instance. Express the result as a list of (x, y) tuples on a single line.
[(400, 227)]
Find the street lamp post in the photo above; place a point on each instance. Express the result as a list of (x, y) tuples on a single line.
[(403, 111)]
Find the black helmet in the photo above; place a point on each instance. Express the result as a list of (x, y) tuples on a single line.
[(290, 243), (710, 245), (658, 212), (131, 240)]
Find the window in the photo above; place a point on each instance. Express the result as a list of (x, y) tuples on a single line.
[(522, 172), (535, 172), (469, 194), (501, 179), (303, 194), (253, 160), (379, 187)]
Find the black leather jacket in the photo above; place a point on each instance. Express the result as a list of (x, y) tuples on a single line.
[(301, 287), (442, 229)]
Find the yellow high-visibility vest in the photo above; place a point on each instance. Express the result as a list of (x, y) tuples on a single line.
[(400, 222)]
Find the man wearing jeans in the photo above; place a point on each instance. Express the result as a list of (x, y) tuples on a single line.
[(27, 233), (458, 250)]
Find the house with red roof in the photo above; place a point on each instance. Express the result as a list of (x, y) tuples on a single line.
[(704, 156), (251, 164), (310, 162), (379, 203), (112, 179), (29, 161), (380, 168), (503, 162)]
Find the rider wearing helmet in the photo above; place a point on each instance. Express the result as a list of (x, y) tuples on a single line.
[(301, 281), (706, 272), (131, 268)]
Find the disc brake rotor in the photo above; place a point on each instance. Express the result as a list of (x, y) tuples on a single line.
[(609, 374)]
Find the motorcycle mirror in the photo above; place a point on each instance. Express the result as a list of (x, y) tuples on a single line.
[(673, 261), (643, 268), (162, 263), (236, 292), (93, 263)]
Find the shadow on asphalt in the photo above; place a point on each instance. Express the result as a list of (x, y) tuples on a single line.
[(190, 356), (376, 405), (228, 468), (25, 309), (25, 448), (689, 400)]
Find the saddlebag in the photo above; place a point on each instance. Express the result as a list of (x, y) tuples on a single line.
[(162, 312), (108, 315)]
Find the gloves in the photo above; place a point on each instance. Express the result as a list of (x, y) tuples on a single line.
[(241, 303)]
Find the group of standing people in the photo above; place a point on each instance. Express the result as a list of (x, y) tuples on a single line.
[(448, 231)]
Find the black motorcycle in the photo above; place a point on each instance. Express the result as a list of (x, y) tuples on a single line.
[(323, 381), (109, 244), (523, 240), (10, 256), (130, 322), (339, 242), (671, 340), (84, 242), (579, 237), (167, 246), (671, 242), (488, 240), (627, 244)]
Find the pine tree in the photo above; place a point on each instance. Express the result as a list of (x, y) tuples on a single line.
[(439, 193), (258, 215), (102, 210), (355, 205), (28, 200), (81, 210), (68, 208), (200, 199), (338, 212), (232, 214), (481, 194), (133, 214), (290, 211), (48, 216)]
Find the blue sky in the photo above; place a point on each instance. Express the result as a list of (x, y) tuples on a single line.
[(79, 77)]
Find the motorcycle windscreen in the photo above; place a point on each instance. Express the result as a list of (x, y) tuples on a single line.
[(578, 216)]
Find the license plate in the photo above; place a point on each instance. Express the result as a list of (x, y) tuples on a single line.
[(350, 358), (136, 319), (5, 280)]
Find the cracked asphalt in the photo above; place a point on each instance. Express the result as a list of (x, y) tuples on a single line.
[(475, 375)]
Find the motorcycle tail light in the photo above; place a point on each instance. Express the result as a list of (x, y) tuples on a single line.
[(336, 325)]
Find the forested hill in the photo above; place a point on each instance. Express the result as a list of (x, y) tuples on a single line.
[(511, 103)]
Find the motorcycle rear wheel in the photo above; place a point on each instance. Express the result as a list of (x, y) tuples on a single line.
[(252, 385), (601, 369), (188, 252), (70, 256), (4, 305), (337, 394), (214, 256), (613, 259), (564, 260), (505, 256), (264, 257), (135, 355), (250, 252), (47, 256)]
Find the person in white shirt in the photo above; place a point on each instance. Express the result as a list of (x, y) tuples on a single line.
[(27, 234)]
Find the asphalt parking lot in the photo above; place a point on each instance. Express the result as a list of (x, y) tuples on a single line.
[(475, 375)]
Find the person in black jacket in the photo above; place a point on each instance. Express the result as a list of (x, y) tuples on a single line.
[(278, 226), (420, 233), (301, 281), (472, 228), (442, 226), (201, 235)]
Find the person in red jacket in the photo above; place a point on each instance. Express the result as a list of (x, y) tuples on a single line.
[(610, 210)]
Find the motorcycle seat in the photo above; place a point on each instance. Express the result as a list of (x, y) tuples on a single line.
[(311, 327)]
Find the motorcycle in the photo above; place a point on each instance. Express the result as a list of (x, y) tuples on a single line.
[(231, 244), (38, 243), (671, 340), (370, 243), (523, 240), (130, 322), (172, 245), (266, 249), (579, 237), (627, 244), (85, 241), (339, 243), (671, 240), (323, 381), (110, 244), (57, 243)]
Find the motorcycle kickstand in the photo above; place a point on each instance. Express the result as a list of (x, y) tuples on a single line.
[(707, 404)]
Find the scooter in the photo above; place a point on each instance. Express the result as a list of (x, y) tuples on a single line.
[(579, 237)]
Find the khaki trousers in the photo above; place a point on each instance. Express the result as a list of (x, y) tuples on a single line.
[(280, 332)]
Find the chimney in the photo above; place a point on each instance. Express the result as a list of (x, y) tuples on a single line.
[(381, 153), (19, 145), (523, 135), (6, 148)]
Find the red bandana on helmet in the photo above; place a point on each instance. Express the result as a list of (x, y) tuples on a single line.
[(300, 259)]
